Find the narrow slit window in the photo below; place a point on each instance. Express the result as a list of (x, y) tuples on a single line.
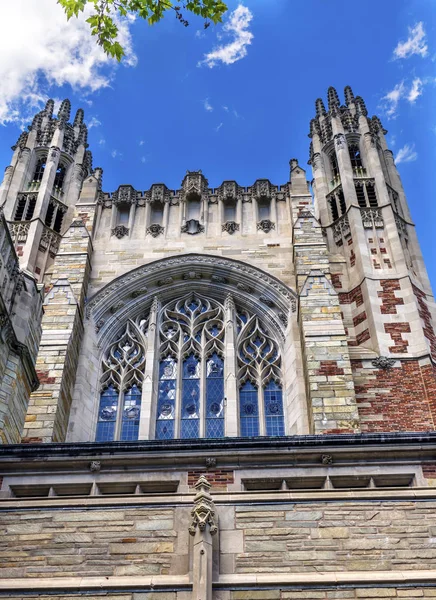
[(49, 215), (342, 204), (355, 156), (58, 221), (39, 169), (360, 196), (372, 198), (334, 208), (334, 165), (59, 177), (21, 205)]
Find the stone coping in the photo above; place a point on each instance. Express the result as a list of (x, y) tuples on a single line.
[(291, 443), (220, 498), (350, 578)]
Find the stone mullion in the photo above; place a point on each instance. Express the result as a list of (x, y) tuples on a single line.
[(151, 376), (166, 215), (239, 213), (261, 406), (132, 212), (205, 213), (221, 216), (179, 390), (230, 371), (202, 399)]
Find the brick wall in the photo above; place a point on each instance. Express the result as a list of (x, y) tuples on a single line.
[(398, 399), (218, 478)]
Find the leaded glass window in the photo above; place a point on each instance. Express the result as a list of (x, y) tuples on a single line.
[(215, 397), (190, 418), (121, 384), (260, 392), (166, 402)]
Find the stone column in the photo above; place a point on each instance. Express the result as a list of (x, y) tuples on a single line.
[(230, 371), (166, 216), (203, 527)]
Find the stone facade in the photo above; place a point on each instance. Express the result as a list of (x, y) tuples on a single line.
[(237, 386)]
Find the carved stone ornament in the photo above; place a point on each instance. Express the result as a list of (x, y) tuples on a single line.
[(120, 231), (219, 279), (117, 307), (340, 141), (125, 194), (372, 217), (244, 288), (326, 459), (383, 362), (192, 227), (230, 227), (140, 292), (95, 466), (166, 281), (266, 301), (229, 189), (210, 462), (99, 325), (266, 225), (191, 275), (155, 230), (203, 513)]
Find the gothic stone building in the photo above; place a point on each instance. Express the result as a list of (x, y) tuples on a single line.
[(237, 389)]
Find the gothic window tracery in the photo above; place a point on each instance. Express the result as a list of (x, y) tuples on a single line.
[(60, 177), (189, 395), (39, 169), (121, 384)]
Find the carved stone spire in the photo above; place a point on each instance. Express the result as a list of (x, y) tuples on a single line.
[(361, 107), (349, 96), (64, 111), (78, 119), (320, 108), (333, 99), (48, 110), (203, 527)]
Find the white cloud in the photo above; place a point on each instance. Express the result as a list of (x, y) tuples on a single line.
[(415, 43), (200, 34), (219, 127), (141, 143), (415, 90), (102, 141), (406, 154), (93, 122), (392, 98), (207, 105), (116, 154), (226, 108), (236, 26), (44, 50)]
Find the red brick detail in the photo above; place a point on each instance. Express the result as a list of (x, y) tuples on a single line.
[(329, 367), (373, 250), (397, 399), (429, 471), (425, 315), (336, 281), (383, 251), (360, 338), (338, 431), (353, 296), (218, 478), (350, 241), (359, 318), (389, 300), (31, 440), (352, 258), (396, 330), (44, 378)]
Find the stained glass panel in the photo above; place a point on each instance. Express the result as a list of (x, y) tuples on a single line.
[(273, 399), (166, 401), (131, 414), (190, 418), (248, 410), (107, 415), (215, 397)]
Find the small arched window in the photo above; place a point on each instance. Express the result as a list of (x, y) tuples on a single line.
[(355, 156), (60, 177), (39, 169), (334, 165)]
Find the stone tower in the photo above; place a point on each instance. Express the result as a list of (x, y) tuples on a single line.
[(43, 182), (376, 265)]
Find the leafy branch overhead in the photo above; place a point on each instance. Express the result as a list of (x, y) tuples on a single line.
[(104, 13)]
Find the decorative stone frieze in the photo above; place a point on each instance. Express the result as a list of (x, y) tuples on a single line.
[(372, 217), (125, 194), (383, 362)]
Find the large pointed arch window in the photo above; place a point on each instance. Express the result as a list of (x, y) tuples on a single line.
[(204, 357)]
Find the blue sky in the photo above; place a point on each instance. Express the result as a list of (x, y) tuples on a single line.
[(168, 109)]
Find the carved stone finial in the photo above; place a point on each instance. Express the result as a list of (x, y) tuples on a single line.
[(78, 119), (64, 110), (333, 98), (349, 96), (95, 466), (203, 513), (320, 108)]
